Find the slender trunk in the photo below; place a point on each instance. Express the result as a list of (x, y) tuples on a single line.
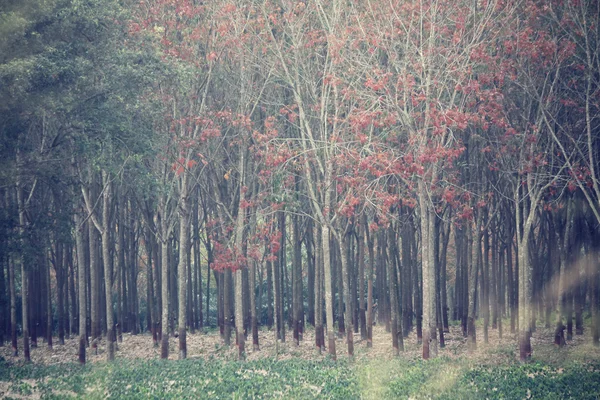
[(239, 252), (106, 256), (407, 267), (594, 273), (296, 280), (318, 282), (24, 269), (428, 268), (149, 242), (13, 307), (370, 248), (279, 277), (4, 313), (220, 282), (494, 281), (184, 243), (393, 290), (361, 281), (48, 305), (474, 258), (79, 243), (338, 286), (239, 313), (253, 316), (510, 284), (95, 286), (132, 276), (164, 340), (296, 263), (485, 280), (344, 243), (208, 293), (275, 313), (524, 217), (74, 314), (328, 293), (25, 309), (197, 295), (443, 279), (270, 294), (119, 273), (310, 257), (61, 269), (227, 317)]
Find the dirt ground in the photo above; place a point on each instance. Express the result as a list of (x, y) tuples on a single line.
[(210, 346)]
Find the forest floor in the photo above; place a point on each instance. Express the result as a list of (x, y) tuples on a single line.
[(374, 373)]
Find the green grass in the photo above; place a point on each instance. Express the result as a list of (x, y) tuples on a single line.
[(441, 378), (186, 379)]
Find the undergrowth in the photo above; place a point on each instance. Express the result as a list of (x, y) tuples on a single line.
[(440, 378)]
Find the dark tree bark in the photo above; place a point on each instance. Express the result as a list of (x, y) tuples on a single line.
[(407, 281), (270, 311), (279, 268), (344, 243), (81, 263), (370, 267), (309, 243), (297, 280), (392, 249), (318, 282), (362, 318), (95, 286), (227, 315), (74, 303), (48, 292)]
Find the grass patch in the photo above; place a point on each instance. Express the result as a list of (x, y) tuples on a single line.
[(492, 373), (185, 379), (452, 379)]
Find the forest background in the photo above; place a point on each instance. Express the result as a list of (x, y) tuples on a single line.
[(170, 165)]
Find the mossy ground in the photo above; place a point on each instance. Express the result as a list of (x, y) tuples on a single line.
[(299, 372)]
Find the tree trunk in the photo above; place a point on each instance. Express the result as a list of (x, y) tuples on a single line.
[(227, 317), (270, 294), (361, 280), (485, 285), (164, 340), (318, 282), (13, 307), (296, 279), (106, 256), (48, 302), (276, 321), (61, 268), (239, 252), (328, 293), (95, 286), (73, 315), (119, 271), (428, 267), (407, 281), (253, 317), (24, 269), (475, 259), (310, 257), (396, 334), (239, 313), (149, 244), (79, 243), (344, 243), (524, 217), (184, 243)]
